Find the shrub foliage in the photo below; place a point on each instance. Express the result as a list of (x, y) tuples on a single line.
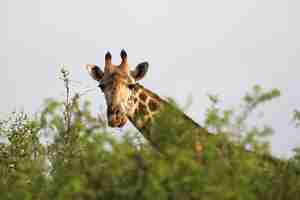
[(65, 152)]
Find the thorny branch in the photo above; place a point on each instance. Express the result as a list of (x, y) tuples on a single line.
[(67, 114)]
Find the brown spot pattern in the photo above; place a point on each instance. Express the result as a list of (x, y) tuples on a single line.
[(143, 96), (153, 105), (143, 109)]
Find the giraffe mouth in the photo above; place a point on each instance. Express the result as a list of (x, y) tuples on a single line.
[(120, 122)]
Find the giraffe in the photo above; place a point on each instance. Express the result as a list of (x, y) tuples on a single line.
[(126, 99)]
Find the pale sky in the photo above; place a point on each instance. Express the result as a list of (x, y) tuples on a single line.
[(193, 47)]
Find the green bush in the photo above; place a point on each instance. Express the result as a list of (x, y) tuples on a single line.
[(85, 160)]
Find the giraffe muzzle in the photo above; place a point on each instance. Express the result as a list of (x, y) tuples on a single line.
[(116, 117), (117, 122)]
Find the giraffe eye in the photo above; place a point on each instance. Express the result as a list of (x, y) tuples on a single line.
[(102, 86)]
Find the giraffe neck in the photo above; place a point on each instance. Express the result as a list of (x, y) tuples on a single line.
[(158, 121), (151, 115), (143, 107)]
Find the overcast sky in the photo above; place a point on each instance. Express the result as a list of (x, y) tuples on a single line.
[(193, 47)]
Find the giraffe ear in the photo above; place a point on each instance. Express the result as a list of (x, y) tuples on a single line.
[(95, 72), (140, 71)]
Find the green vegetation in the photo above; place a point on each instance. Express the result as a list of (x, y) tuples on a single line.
[(85, 160)]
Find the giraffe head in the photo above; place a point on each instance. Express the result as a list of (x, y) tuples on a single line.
[(117, 83)]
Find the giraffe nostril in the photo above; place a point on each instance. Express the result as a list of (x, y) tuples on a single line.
[(118, 110), (115, 112)]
